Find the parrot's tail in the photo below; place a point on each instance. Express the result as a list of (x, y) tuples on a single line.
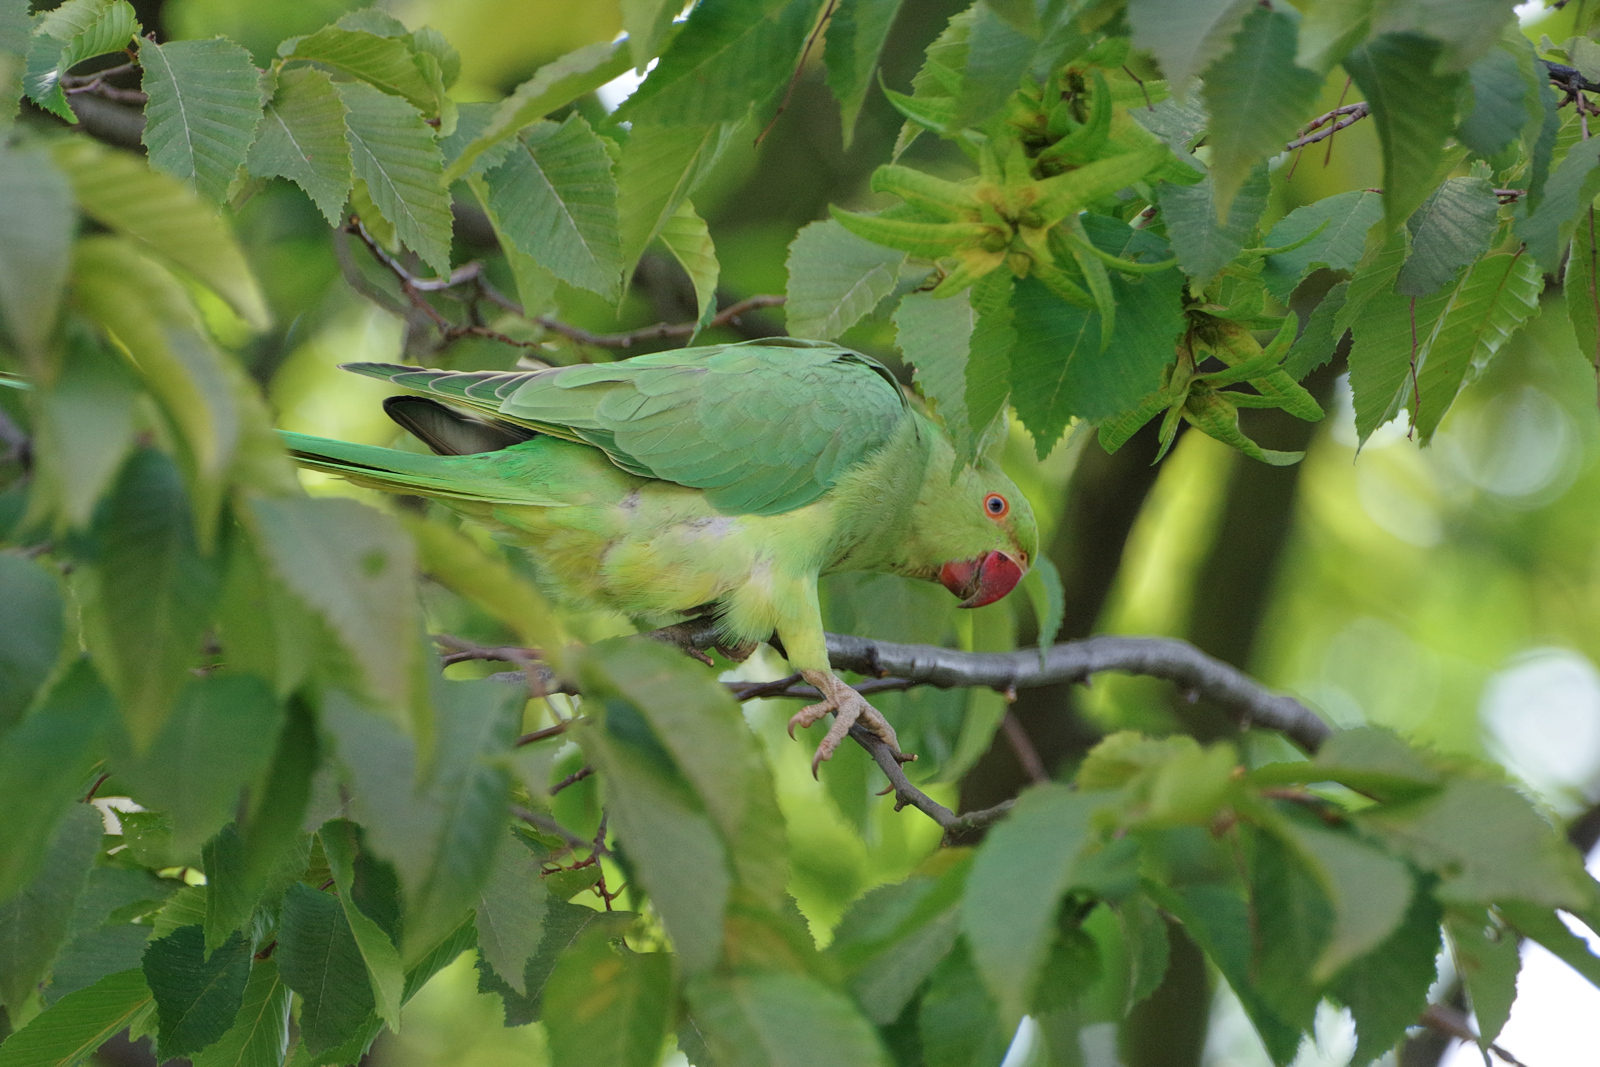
[(493, 478)]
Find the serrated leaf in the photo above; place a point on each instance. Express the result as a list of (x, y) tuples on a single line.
[(1452, 228), (302, 138), (118, 190), (957, 1020), (79, 1023), (16, 31), (36, 921), (781, 1019), (1059, 368), (1369, 890), (1343, 220), (1572, 187), (205, 104), (44, 762), (37, 217), (1581, 286), (216, 742), (836, 279), (727, 57), (1499, 294), (1488, 958), (1468, 28), (1186, 36), (1203, 243), (197, 995), (1387, 989), (93, 387), (439, 823), (511, 912), (318, 958), (1018, 877), (934, 335), (1413, 109), (553, 86), (556, 201), (998, 56), (660, 167), (857, 32), (352, 566), (388, 63), (607, 1007), (1318, 341), (395, 153), (1048, 598), (31, 632), (66, 36), (148, 593), (564, 924), (689, 240), (1499, 103), (338, 838), (259, 1036), (1257, 97)]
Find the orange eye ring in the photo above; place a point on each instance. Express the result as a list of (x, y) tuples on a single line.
[(996, 506)]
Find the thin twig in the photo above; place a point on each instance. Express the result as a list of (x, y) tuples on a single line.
[(543, 735), (572, 779), (799, 67), (1446, 1020), (550, 826), (1339, 117), (1022, 745)]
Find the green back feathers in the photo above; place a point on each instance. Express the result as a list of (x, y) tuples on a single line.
[(762, 427)]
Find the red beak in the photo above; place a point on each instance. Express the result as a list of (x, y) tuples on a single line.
[(983, 580)]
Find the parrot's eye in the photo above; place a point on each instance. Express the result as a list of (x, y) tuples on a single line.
[(996, 505)]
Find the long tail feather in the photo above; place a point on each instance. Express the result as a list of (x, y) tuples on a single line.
[(495, 478)]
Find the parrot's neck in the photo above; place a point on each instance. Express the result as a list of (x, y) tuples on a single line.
[(882, 498)]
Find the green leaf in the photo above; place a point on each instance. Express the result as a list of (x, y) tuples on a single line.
[(989, 364), (689, 240), (1042, 583), (1343, 219), (197, 996), (727, 56), (780, 1019), (1499, 294), (1204, 244), (103, 939), (16, 30), (68, 35), (205, 104), (1452, 228), (45, 762), (647, 23), (935, 335), (1500, 104), (35, 922), (1573, 186), (681, 860), (837, 278), (1486, 842), (388, 63), (1413, 108), (259, 1036), (352, 566), (553, 86), (1387, 989), (661, 166), (1487, 958), (1317, 342), (895, 936), (37, 217), (394, 152), (440, 825), (121, 192), (339, 844), (1581, 286), (274, 847), (1544, 926), (1059, 369), (148, 593), (78, 1024), (319, 959), (216, 743), (1369, 890), (857, 32), (1257, 98), (556, 201), (93, 387), (608, 1008), (1291, 920), (563, 925), (1185, 35), (957, 1021), (511, 916), (302, 138), (1018, 877), (998, 57), (1468, 28), (31, 631)]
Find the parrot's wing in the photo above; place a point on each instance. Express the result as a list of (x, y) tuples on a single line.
[(762, 427)]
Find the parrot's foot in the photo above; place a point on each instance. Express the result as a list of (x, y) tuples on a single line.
[(849, 707), (691, 636)]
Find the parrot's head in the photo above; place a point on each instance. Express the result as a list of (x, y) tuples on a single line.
[(975, 533)]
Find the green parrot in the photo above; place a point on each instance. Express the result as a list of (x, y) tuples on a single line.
[(722, 479)]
